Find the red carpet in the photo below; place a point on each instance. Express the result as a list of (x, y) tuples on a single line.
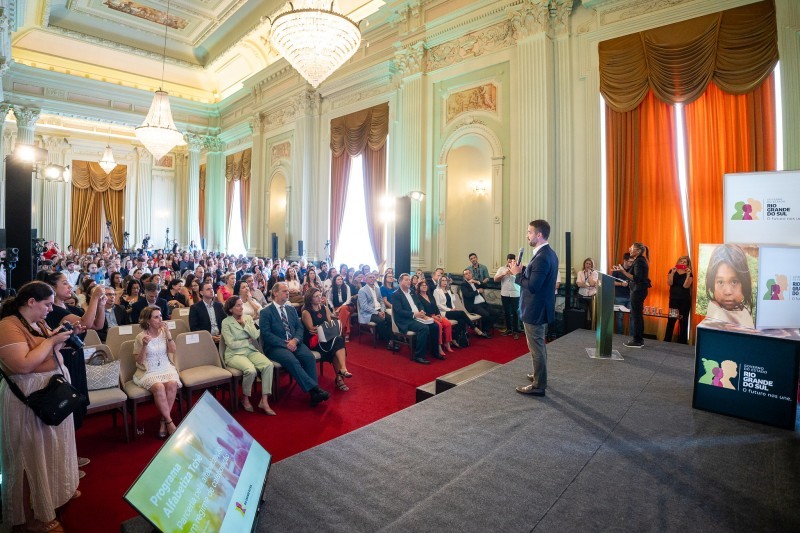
[(383, 383)]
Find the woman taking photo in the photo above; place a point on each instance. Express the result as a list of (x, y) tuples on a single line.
[(680, 280), (314, 314), (639, 278), (152, 350), (238, 330), (31, 449), (338, 299)]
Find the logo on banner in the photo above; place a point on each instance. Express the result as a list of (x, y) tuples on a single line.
[(749, 210), (779, 209), (777, 287), (720, 375), (241, 508)]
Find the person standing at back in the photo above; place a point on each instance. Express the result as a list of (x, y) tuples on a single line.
[(639, 276), (537, 283)]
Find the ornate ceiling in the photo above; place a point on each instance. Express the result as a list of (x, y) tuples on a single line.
[(212, 46)]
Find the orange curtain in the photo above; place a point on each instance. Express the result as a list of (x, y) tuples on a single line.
[(644, 202), (202, 203), (725, 133), (92, 191), (363, 132)]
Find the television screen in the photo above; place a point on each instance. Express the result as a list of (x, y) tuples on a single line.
[(207, 477)]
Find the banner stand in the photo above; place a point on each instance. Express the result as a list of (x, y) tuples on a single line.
[(604, 319)]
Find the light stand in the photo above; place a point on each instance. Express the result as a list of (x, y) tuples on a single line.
[(167, 243), (126, 244), (109, 241)]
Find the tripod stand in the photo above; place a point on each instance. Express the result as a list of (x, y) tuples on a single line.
[(108, 239), (167, 242)]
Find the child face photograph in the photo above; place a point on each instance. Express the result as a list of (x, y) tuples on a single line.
[(728, 288)]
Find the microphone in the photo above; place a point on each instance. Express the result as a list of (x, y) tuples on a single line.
[(519, 257)]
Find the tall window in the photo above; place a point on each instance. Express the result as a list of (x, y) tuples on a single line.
[(235, 238), (354, 247)]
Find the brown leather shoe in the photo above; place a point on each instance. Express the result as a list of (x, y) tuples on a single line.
[(530, 390)]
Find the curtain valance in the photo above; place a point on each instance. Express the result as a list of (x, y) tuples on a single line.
[(87, 174), (737, 49), (237, 166), (355, 132)]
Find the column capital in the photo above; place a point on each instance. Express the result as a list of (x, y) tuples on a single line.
[(410, 60), (530, 18), (4, 108), (560, 10), (214, 143), (26, 116), (308, 101), (195, 141)]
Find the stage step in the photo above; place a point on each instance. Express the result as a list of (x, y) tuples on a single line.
[(463, 375), (426, 391)]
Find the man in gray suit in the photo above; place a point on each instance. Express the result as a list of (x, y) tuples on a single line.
[(372, 308), (537, 284)]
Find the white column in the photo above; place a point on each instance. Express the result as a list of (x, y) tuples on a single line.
[(144, 191), (564, 142), (788, 19), (258, 176), (5, 149), (441, 215), (215, 195), (192, 220), (532, 177), (52, 215), (410, 63), (299, 204), (130, 195)]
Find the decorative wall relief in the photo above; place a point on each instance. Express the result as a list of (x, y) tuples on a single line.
[(280, 151), (477, 43), (147, 13), (481, 98)]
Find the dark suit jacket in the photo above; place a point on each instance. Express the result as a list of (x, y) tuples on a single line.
[(402, 313), (273, 334), (198, 316), (537, 283), (136, 309), (468, 294), (122, 320)]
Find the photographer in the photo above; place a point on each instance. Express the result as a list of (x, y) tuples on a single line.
[(680, 280)]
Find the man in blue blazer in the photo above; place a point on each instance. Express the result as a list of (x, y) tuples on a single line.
[(537, 284), (282, 339), (407, 315)]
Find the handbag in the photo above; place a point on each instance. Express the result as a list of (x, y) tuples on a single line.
[(102, 372), (328, 331), (53, 403)]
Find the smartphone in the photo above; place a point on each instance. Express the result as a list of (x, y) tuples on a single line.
[(680, 267)]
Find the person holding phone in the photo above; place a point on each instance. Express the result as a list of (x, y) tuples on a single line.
[(680, 279)]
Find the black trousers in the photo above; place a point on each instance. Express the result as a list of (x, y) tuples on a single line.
[(487, 322), (462, 319), (637, 314), (684, 308), (511, 311), (383, 325)]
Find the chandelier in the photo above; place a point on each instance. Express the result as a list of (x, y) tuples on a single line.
[(315, 39), (107, 162), (158, 132)]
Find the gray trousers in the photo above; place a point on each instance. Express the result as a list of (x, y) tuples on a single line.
[(534, 334)]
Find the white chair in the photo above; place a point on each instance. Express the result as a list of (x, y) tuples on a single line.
[(120, 334), (113, 399), (199, 365), (458, 303), (181, 315), (92, 338)]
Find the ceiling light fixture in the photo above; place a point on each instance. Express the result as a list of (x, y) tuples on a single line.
[(107, 162), (158, 132), (314, 39)]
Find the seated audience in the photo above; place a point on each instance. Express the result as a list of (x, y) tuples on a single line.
[(446, 306), (339, 299), (173, 294), (250, 306), (238, 330), (153, 349), (208, 313), (150, 299), (255, 292), (311, 281), (294, 286), (115, 314), (428, 304), (226, 291), (282, 339), (387, 289), (409, 317), (372, 309), (314, 314)]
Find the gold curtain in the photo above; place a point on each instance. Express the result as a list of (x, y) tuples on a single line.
[(92, 191), (238, 168), (363, 132), (737, 49), (202, 203)]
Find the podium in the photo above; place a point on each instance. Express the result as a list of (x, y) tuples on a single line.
[(604, 318)]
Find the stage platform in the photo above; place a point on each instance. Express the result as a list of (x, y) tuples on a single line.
[(615, 445)]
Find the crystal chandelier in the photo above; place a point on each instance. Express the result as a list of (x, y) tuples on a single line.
[(315, 39), (107, 162), (158, 132)]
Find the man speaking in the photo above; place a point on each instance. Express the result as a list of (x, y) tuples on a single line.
[(537, 284)]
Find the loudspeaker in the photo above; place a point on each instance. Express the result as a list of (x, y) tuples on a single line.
[(402, 236), (274, 246), (574, 319), (568, 280), (19, 218), (300, 248)]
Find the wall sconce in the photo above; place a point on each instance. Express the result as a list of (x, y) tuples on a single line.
[(480, 188), (417, 196)]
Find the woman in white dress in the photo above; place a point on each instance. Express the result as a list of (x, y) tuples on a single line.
[(250, 306), (154, 369)]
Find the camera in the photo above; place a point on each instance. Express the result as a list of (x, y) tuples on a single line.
[(73, 341)]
